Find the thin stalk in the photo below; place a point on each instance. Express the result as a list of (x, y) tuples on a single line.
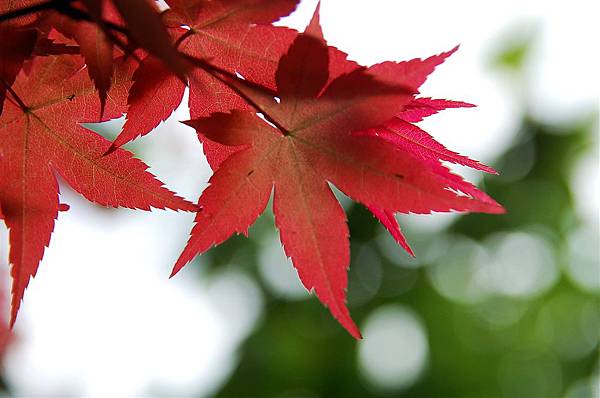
[(14, 96), (225, 77)]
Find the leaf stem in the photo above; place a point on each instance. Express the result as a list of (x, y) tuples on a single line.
[(14, 95), (183, 37), (226, 78), (78, 14)]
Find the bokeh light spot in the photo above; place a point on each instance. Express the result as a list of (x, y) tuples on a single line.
[(394, 351), (278, 273)]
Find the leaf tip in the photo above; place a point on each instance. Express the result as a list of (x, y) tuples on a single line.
[(351, 328), (189, 123), (356, 334), (182, 261), (500, 210), (314, 26), (15, 306), (491, 170), (102, 105)]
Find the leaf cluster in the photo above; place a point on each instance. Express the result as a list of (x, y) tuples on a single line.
[(278, 112)]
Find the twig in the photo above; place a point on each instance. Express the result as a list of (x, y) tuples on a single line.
[(78, 14)]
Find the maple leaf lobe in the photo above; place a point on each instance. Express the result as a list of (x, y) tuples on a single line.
[(43, 139)]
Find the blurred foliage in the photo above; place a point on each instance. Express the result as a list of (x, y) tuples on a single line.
[(515, 47)]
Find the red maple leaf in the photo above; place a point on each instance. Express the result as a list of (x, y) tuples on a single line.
[(40, 138), (309, 140), (397, 131)]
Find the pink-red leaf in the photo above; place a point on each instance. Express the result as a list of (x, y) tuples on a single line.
[(41, 138), (308, 142), (411, 139), (420, 108), (314, 233)]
